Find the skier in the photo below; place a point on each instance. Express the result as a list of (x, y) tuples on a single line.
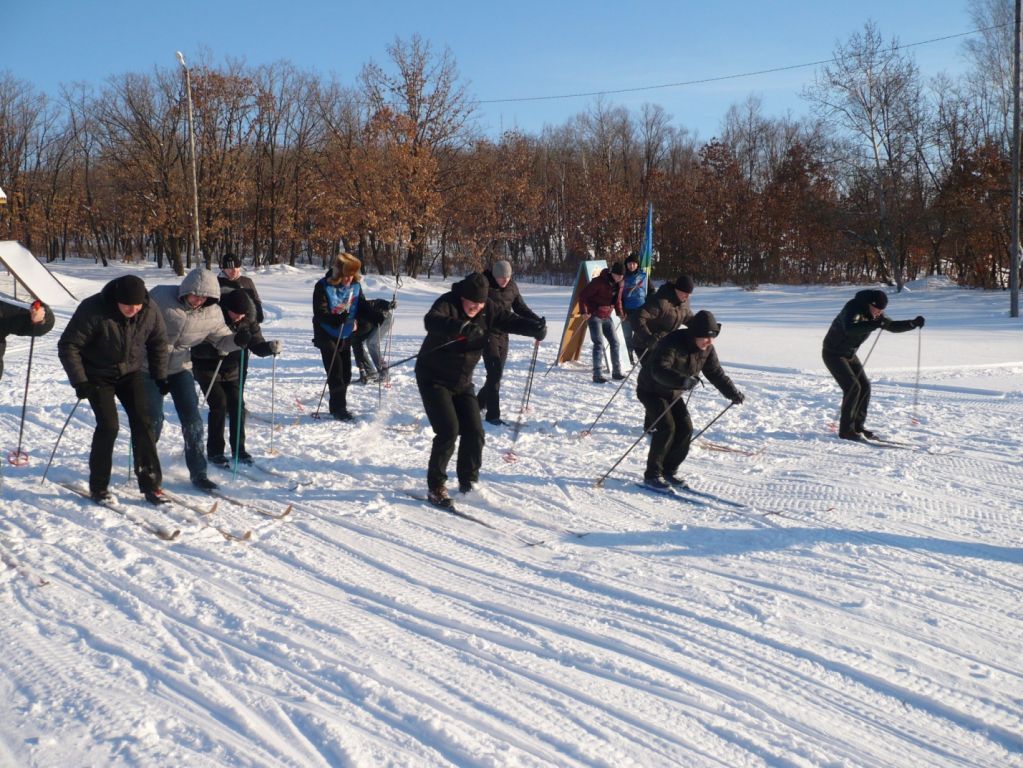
[(672, 369), (192, 317), (860, 316), (336, 307), (224, 385), (504, 293), (634, 289), (457, 327), (375, 320), (665, 311), (601, 297), (109, 338), (35, 321)]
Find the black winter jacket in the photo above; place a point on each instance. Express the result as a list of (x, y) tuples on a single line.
[(661, 314), (452, 366), (205, 355), (675, 362), (16, 320), (100, 344), (853, 324), (507, 299)]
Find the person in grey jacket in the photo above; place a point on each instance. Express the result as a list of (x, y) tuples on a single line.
[(103, 349), (860, 317), (192, 315)]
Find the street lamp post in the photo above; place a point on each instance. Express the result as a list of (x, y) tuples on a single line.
[(191, 141)]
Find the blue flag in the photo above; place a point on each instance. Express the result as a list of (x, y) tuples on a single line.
[(646, 253)]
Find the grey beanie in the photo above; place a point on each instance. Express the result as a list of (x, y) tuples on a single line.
[(502, 268)]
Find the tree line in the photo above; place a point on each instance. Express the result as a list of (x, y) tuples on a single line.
[(889, 178)]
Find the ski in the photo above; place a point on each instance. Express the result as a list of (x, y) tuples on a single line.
[(257, 473), (14, 564), (450, 509), (161, 532), (199, 513), (216, 492), (884, 442)]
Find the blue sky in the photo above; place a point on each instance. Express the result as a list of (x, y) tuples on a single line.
[(523, 49)]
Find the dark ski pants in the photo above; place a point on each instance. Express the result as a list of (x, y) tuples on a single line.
[(494, 357), (130, 390), (223, 400), (848, 372), (186, 403), (628, 327), (671, 436), (339, 375), (454, 416)]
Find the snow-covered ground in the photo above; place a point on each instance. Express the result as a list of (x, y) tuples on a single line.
[(862, 609)]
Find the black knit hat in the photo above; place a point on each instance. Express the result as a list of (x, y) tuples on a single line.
[(129, 289), (617, 268), (879, 299), (703, 325), (474, 287), (230, 261), (237, 302), (685, 284)]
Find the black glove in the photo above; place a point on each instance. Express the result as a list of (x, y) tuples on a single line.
[(275, 347), (738, 398), (393, 304), (473, 333), (337, 319), (242, 338), (540, 332), (84, 389), (163, 386), (918, 321), (690, 382)]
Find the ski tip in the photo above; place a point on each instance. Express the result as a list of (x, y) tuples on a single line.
[(169, 535), (287, 511), (212, 509)]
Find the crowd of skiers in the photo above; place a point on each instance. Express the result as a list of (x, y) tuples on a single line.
[(139, 346)]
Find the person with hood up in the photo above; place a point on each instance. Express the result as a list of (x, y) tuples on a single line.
[(192, 316), (672, 369), (666, 311), (601, 297), (861, 316), (223, 380), (504, 293), (634, 289), (36, 320), (337, 304), (457, 327), (103, 349)]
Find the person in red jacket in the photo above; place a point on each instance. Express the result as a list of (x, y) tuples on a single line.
[(601, 297)]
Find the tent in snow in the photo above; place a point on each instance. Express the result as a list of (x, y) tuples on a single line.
[(32, 275), (574, 335)]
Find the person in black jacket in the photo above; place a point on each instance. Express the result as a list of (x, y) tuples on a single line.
[(860, 317), (504, 293), (231, 279), (102, 350), (225, 385), (34, 321), (673, 369), (457, 327)]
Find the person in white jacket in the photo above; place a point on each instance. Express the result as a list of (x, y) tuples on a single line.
[(192, 316)]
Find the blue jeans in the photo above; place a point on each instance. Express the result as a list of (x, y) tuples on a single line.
[(601, 328), (370, 344), (186, 403)]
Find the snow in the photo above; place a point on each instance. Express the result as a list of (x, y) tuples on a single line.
[(876, 621)]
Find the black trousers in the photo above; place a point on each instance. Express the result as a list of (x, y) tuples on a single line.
[(223, 400), (848, 372), (339, 375), (130, 390), (671, 436), (454, 416), (494, 357)]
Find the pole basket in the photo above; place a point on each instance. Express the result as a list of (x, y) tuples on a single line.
[(17, 458)]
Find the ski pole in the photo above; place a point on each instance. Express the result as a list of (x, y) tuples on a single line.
[(723, 412), (916, 385), (273, 384), (586, 432), (876, 339), (571, 341), (206, 394), (602, 478), (18, 457), (59, 436), (240, 413), (425, 352), (510, 454), (333, 357)]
